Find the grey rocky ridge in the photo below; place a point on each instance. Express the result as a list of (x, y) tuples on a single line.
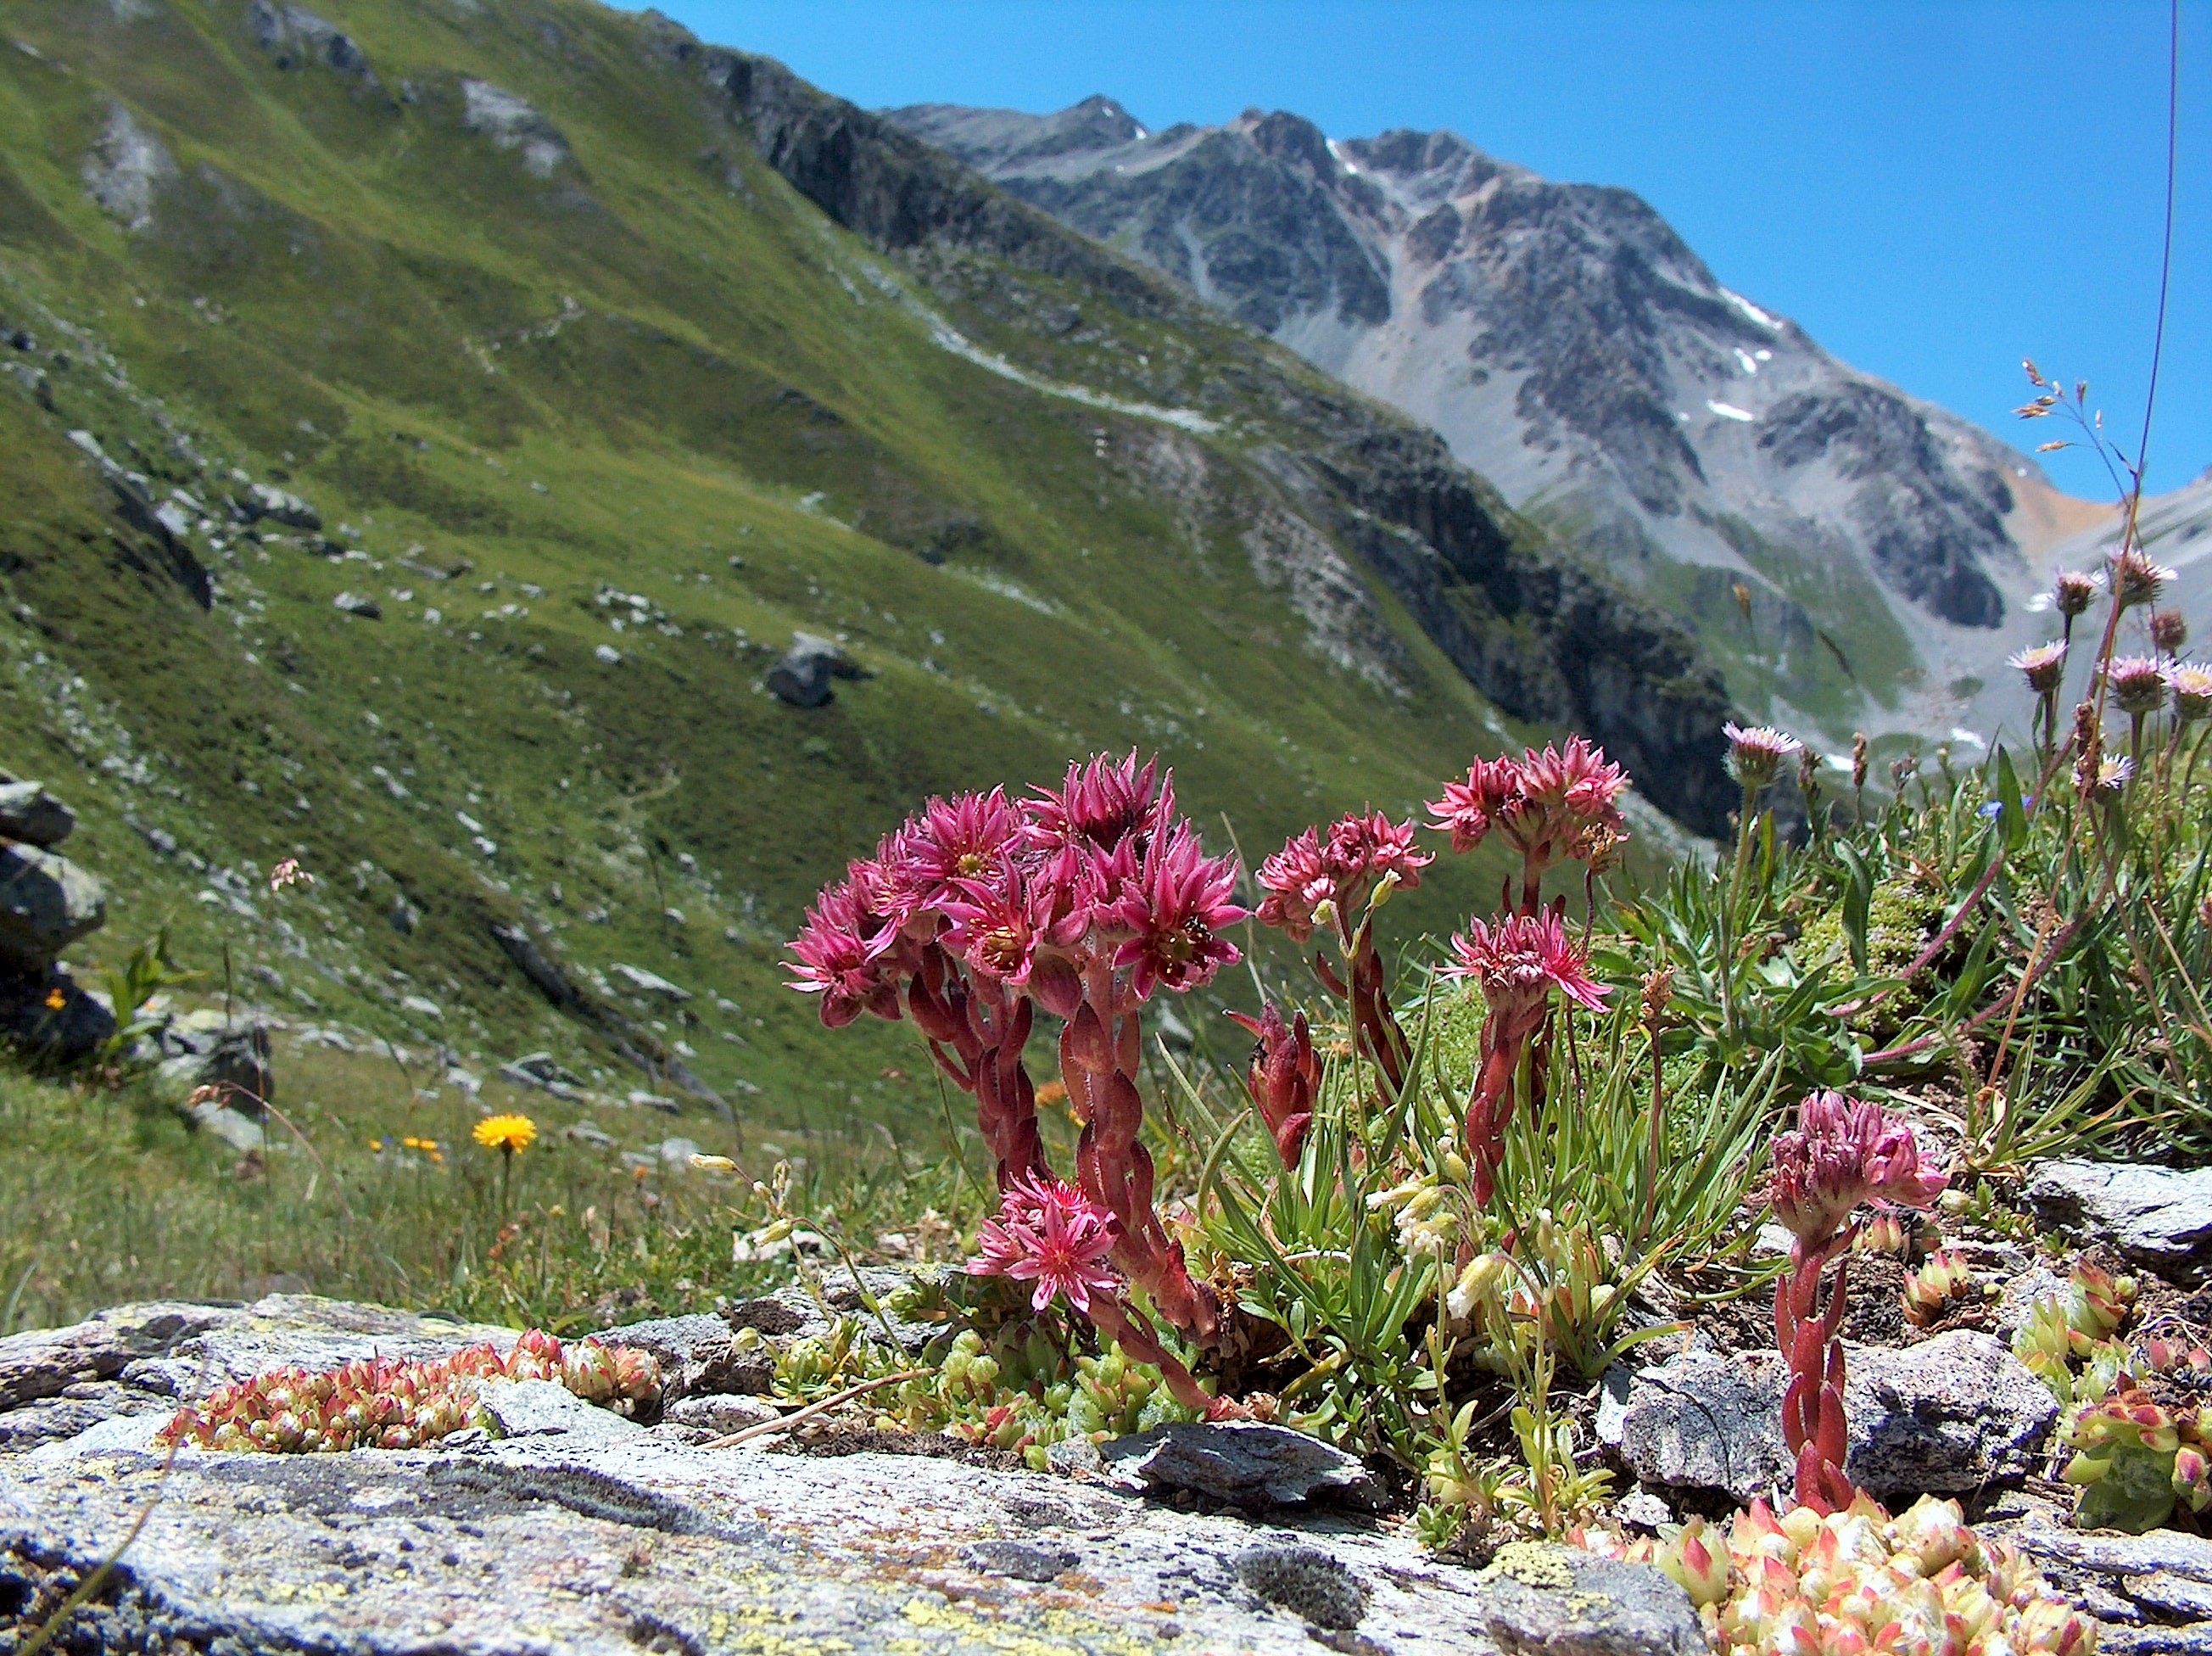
[(1855, 555)]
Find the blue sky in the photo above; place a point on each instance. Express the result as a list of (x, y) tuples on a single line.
[(1933, 190)]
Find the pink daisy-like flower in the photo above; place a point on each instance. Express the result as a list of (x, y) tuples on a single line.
[(2136, 579), (2138, 684), (1050, 1234), (1756, 751), (2043, 666), (2113, 778), (1843, 1152), (1176, 910), (956, 839), (1520, 958), (2192, 692)]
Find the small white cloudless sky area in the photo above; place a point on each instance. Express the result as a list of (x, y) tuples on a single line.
[(1933, 189)]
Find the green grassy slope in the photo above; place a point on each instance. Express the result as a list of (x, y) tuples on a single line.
[(600, 363)]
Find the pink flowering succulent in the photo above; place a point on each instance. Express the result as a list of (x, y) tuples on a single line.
[(1553, 806), (1517, 963), (1843, 1153), (1561, 805), (1345, 871), (1086, 900)]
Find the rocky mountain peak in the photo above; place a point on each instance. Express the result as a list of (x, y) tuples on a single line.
[(1292, 139), (1849, 551)]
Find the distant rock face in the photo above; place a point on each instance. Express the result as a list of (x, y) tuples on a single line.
[(296, 38), (1568, 345), (129, 166)]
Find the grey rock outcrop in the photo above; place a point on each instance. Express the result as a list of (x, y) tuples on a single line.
[(47, 903), (512, 124), (296, 38), (2152, 1592), (254, 501), (536, 1408), (565, 1539), (2158, 1217), (229, 1053), (29, 813), (1556, 1601), (803, 677), (128, 169), (1953, 1413)]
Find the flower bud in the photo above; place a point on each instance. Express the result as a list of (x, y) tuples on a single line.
[(1695, 1558)]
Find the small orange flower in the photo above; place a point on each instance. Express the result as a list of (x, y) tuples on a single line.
[(55, 998)]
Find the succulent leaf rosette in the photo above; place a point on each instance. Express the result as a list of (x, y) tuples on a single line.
[(1857, 1581), (391, 1403)]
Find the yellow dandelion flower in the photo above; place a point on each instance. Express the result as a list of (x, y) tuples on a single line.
[(506, 1134)]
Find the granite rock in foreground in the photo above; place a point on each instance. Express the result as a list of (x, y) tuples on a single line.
[(589, 1540)]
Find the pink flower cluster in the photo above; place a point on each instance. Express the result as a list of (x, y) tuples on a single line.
[(1050, 1234), (1029, 895), (1843, 1152), (1557, 805), (1517, 962), (1554, 806), (1339, 868), (1086, 900)]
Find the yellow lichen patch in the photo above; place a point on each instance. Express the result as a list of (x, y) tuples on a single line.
[(1052, 1633), (1533, 1563)]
